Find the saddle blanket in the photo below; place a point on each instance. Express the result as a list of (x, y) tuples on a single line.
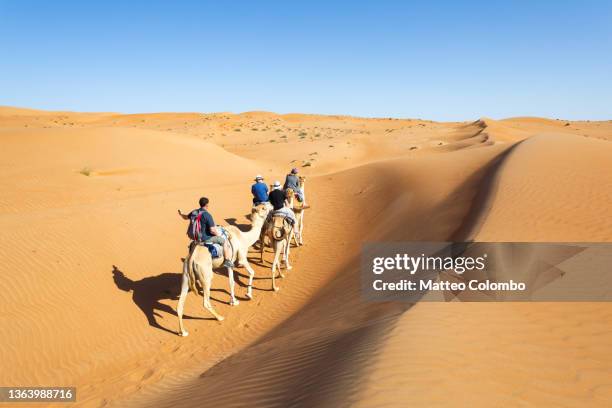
[(216, 250), (285, 212)]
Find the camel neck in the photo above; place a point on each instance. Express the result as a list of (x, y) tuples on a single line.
[(252, 235)]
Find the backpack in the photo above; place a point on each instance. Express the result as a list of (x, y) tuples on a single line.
[(194, 232)]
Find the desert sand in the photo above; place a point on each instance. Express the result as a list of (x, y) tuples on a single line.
[(91, 248)]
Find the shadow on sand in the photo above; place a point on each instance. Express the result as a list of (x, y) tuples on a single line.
[(147, 293), (241, 227)]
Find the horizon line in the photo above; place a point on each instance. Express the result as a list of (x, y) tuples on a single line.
[(391, 117)]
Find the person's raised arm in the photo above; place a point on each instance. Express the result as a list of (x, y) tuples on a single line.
[(183, 216)]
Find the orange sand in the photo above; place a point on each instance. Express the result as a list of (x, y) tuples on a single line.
[(91, 249)]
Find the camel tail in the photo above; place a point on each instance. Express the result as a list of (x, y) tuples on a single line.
[(191, 275), (278, 233)]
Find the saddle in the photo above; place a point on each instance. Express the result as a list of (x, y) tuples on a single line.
[(216, 250), (298, 202), (281, 225), (280, 214)]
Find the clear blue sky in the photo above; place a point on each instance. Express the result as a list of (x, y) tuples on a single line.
[(443, 60)]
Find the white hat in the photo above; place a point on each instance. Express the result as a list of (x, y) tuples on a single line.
[(258, 177), (276, 184)]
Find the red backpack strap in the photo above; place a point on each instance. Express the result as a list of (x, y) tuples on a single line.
[(198, 226)]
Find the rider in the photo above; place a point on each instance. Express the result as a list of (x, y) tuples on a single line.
[(259, 190), (211, 234), (293, 182), (279, 202)]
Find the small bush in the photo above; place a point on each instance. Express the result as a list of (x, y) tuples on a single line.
[(86, 171)]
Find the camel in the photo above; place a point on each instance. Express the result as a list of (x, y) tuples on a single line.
[(279, 233), (298, 209), (199, 265)]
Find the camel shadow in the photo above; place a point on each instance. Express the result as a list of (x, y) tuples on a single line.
[(147, 293), (237, 278), (240, 278), (241, 227), (255, 260)]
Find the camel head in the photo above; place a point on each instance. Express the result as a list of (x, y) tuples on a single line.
[(302, 180), (260, 211), (289, 193)]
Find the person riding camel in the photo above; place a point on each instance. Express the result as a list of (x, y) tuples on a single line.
[(292, 181), (259, 191), (279, 202), (208, 233)]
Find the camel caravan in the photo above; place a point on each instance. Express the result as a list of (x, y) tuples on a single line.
[(277, 220)]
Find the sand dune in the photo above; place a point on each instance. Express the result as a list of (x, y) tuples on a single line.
[(91, 248)]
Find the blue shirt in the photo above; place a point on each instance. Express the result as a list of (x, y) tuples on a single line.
[(260, 192)]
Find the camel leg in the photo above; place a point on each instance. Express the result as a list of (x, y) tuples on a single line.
[(251, 272), (277, 250), (181, 302), (295, 232), (262, 246), (294, 237), (289, 267), (230, 275), (243, 260), (261, 249), (286, 253), (301, 228), (283, 248), (207, 281)]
